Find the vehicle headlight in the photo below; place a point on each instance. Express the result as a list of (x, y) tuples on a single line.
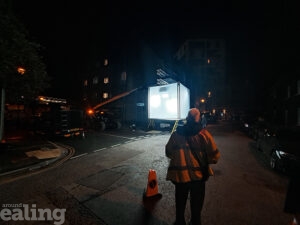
[(282, 154)]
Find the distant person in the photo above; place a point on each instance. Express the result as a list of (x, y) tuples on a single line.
[(191, 149), (292, 199), (203, 121)]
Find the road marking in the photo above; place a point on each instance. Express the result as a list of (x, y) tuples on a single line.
[(29, 171), (119, 136), (98, 150), (74, 157), (115, 145)]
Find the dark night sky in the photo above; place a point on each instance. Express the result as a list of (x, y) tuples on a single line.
[(75, 33)]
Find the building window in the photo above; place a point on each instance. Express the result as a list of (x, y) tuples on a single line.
[(105, 95), (106, 80), (95, 80), (85, 83), (105, 62), (123, 76)]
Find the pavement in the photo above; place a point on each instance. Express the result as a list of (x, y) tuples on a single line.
[(21, 151)]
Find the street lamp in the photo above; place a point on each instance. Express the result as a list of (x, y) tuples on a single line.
[(209, 94), (202, 105), (21, 70)]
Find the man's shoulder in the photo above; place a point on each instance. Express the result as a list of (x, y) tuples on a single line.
[(206, 134)]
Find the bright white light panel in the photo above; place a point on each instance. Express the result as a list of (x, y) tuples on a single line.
[(168, 102)]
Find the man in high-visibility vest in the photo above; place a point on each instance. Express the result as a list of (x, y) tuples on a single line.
[(190, 149)]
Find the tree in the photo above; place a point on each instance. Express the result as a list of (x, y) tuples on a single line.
[(17, 51)]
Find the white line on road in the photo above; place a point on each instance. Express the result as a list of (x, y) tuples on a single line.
[(98, 150), (74, 157), (115, 145), (119, 136)]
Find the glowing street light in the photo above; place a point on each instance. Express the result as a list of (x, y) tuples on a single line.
[(21, 70)]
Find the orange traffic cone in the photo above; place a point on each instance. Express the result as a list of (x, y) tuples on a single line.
[(152, 185)]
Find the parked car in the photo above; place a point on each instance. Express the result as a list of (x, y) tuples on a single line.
[(282, 147), (246, 122), (259, 128), (253, 124), (210, 117)]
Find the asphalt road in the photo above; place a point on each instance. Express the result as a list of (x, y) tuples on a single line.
[(99, 140), (106, 187)]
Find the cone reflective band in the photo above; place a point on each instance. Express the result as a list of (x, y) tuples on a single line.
[(152, 185)]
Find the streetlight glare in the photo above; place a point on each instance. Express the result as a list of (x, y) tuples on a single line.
[(21, 70)]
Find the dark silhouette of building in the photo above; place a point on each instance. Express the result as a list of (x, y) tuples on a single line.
[(203, 63), (284, 101), (199, 64)]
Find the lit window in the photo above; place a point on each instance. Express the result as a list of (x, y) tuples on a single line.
[(106, 80), (208, 61), (85, 83), (105, 95), (105, 62)]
